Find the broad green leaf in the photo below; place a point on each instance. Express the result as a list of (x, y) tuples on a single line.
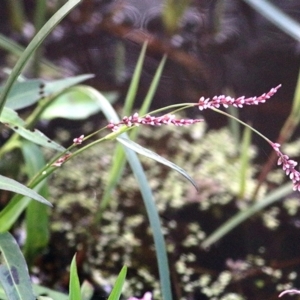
[(148, 153), (117, 289), (75, 104), (74, 287), (11, 185), (24, 94), (35, 136), (37, 219), (14, 275)]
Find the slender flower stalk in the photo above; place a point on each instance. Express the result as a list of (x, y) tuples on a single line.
[(135, 120)]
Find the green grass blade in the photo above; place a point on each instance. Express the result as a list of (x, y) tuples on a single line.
[(153, 87), (242, 216), (134, 84), (74, 288), (117, 289), (277, 17), (11, 46), (119, 157), (33, 45), (14, 275), (37, 219)]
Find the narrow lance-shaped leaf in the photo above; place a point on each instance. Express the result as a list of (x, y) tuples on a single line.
[(117, 289), (148, 153), (74, 288), (34, 136), (11, 185)]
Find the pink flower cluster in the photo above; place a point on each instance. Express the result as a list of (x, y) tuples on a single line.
[(288, 165), (78, 140), (150, 120), (226, 101), (61, 160)]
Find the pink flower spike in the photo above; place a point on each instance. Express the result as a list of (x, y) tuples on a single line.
[(217, 101), (135, 120), (79, 140), (292, 292), (147, 296), (288, 165)]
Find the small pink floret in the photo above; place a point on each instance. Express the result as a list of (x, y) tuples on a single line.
[(79, 140)]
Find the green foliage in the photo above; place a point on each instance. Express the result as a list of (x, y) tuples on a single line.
[(64, 98), (75, 292)]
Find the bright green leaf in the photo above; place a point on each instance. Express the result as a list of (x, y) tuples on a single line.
[(74, 288), (11, 185), (117, 289), (35, 136)]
